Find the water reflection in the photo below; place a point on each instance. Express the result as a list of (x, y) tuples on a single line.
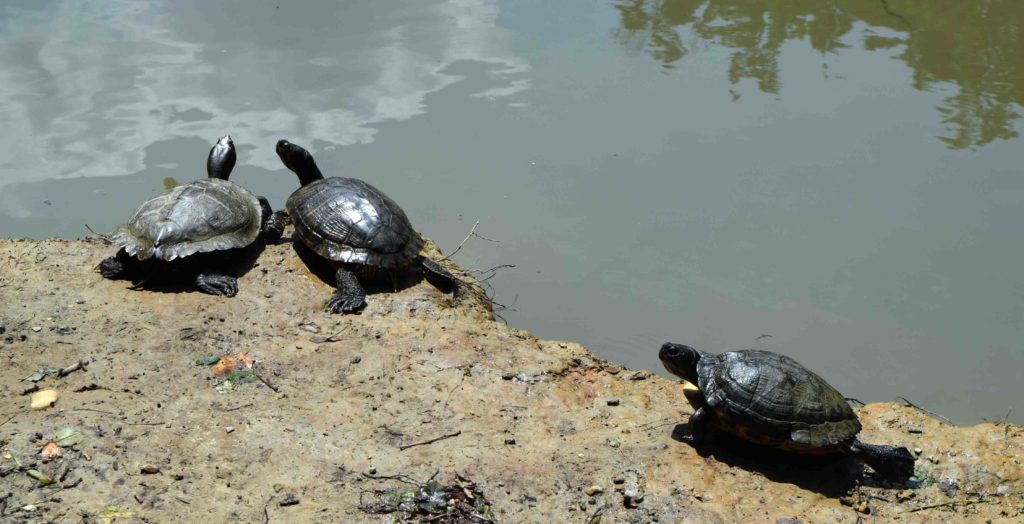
[(85, 88), (976, 48)]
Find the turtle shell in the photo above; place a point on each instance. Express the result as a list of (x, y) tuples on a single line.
[(771, 399), (206, 215), (350, 221)]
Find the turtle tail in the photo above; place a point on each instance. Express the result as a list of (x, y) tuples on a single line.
[(892, 463)]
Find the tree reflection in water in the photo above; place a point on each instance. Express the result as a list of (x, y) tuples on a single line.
[(976, 46)]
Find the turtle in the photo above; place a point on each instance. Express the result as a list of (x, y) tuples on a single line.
[(203, 216), (356, 227), (770, 399)]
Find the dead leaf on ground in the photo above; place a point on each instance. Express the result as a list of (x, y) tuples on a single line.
[(67, 437), (50, 451), (229, 363), (42, 478)]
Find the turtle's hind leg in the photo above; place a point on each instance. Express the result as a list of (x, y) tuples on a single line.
[(892, 463), (216, 284), (350, 295), (439, 276)]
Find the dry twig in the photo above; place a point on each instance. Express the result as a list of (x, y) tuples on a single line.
[(925, 411), (952, 503), (431, 441), (450, 255)]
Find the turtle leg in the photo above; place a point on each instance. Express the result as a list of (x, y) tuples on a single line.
[(118, 266), (439, 276), (273, 222), (892, 463), (216, 284), (350, 295), (698, 427)]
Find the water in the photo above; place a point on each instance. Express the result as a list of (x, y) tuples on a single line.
[(845, 177)]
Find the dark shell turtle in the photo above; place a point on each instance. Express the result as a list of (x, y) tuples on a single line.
[(772, 400), (203, 216), (354, 225)]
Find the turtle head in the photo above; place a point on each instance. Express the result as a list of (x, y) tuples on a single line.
[(680, 360), (299, 161), (222, 159)]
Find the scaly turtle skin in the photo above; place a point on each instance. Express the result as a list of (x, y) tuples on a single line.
[(354, 225), (204, 216), (772, 400)]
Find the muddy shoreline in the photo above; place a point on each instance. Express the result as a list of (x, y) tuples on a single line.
[(418, 386)]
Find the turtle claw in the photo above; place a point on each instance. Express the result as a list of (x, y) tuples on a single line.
[(218, 284), (350, 295), (111, 267), (345, 304)]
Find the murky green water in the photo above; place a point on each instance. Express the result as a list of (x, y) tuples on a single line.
[(846, 177)]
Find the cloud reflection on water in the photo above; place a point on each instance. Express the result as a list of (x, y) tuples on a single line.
[(86, 87)]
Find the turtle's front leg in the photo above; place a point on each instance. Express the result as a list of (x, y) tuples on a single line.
[(273, 222), (216, 284), (118, 266), (698, 427), (350, 295)]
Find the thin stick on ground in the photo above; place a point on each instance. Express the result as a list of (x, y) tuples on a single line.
[(431, 441), (400, 478), (105, 238), (265, 381), (928, 412), (81, 364), (10, 418), (952, 503), (266, 514), (98, 411)]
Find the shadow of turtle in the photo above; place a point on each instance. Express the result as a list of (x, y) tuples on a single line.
[(378, 282), (179, 275), (831, 475)]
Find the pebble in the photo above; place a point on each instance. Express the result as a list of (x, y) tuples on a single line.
[(356, 359), (510, 441), (918, 451), (915, 430), (613, 402), (43, 399), (37, 329), (150, 470), (594, 490), (949, 486), (508, 376), (289, 500), (229, 429)]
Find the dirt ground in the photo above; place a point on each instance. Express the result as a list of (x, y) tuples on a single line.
[(421, 408)]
